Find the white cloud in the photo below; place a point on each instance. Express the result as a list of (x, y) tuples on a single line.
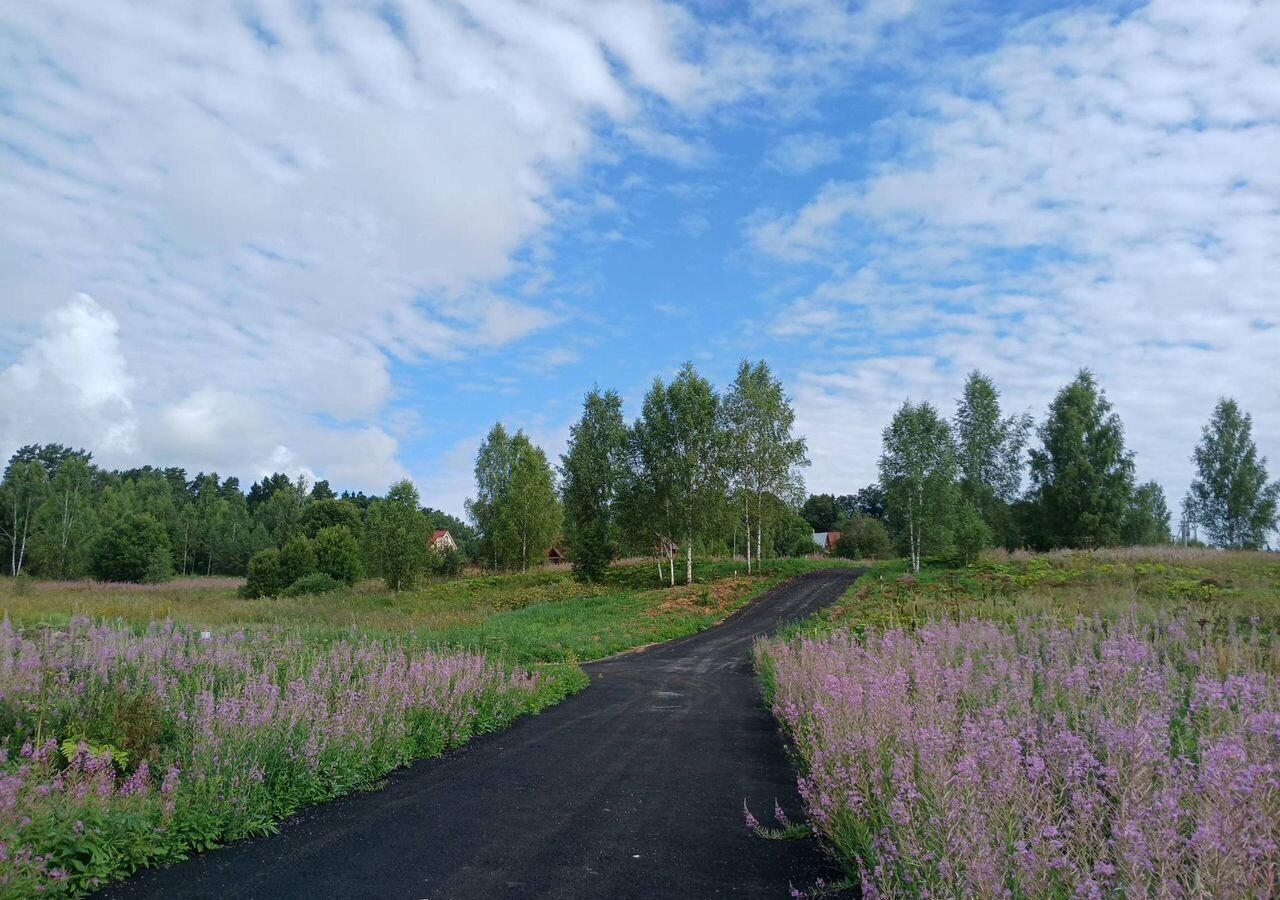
[(803, 151), (72, 381), (1100, 191)]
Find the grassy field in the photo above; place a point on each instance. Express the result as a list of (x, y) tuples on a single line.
[(1102, 724), (540, 617)]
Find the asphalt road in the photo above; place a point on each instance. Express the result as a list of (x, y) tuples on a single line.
[(632, 789)]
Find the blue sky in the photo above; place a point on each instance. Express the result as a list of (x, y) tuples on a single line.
[(343, 238)]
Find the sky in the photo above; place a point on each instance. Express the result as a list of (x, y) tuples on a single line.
[(344, 238)]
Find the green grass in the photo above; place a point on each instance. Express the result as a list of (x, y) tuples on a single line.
[(539, 617), (1218, 589)]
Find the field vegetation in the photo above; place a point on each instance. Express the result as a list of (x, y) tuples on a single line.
[(1074, 724), (139, 723)]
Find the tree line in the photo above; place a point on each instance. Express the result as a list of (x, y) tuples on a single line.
[(698, 471), (954, 487), (63, 517)]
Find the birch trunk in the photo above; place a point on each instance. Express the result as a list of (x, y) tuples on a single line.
[(688, 571), (748, 520)]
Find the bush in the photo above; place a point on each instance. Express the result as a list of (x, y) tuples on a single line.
[(847, 546), (134, 548), (263, 579), (971, 534), (445, 562), (337, 554), (324, 514), (872, 539), (297, 559), (315, 583)]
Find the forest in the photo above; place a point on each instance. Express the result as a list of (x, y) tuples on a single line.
[(698, 472)]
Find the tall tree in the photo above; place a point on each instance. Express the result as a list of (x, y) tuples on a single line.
[(494, 462), (529, 515), (396, 534), (763, 455), (1231, 498), (821, 512), (594, 471), (918, 472), (66, 522), (23, 490), (1082, 477), (679, 447), (988, 446)]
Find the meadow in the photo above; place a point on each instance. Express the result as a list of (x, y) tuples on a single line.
[(140, 724), (1098, 724)]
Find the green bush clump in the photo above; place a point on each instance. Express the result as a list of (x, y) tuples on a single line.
[(297, 559), (134, 548), (263, 579), (315, 583), (337, 554)]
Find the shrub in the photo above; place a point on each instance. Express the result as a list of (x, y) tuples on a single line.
[(263, 579), (445, 562), (323, 514), (297, 559), (847, 546), (134, 548), (315, 583), (338, 554), (971, 535)]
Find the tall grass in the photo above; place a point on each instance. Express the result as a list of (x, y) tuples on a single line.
[(119, 749)]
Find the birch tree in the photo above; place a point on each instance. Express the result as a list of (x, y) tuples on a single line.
[(1230, 496), (493, 477), (528, 513), (684, 449), (21, 494), (763, 455), (65, 523), (918, 473)]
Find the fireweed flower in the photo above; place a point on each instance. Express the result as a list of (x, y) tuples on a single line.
[(230, 733), (1090, 759)]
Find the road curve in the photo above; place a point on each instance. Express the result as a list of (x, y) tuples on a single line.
[(632, 789)]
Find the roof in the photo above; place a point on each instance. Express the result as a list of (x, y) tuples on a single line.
[(439, 534), (820, 538)]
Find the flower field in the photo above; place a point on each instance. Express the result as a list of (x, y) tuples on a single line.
[(121, 748), (1041, 757)]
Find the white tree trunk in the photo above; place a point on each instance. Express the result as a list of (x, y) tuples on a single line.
[(748, 512), (688, 571)]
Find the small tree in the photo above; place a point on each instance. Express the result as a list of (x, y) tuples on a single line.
[(337, 553), (529, 512), (327, 513), (1146, 521), (871, 538), (971, 534), (263, 578), (1230, 496), (133, 548)]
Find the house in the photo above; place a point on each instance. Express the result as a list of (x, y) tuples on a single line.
[(442, 542), (557, 555), (826, 540)]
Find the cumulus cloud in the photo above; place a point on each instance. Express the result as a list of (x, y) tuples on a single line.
[(1098, 191)]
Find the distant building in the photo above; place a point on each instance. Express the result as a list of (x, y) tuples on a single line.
[(442, 542), (826, 540), (558, 555)]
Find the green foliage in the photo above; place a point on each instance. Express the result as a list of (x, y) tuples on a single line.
[(1083, 476), (918, 471), (133, 548), (529, 515), (297, 559), (971, 534), (329, 513), (315, 583), (791, 534), (337, 553), (445, 563), (594, 473), (396, 536), (65, 524), (1146, 521), (988, 447), (1230, 497), (264, 579), (821, 512), (863, 538)]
